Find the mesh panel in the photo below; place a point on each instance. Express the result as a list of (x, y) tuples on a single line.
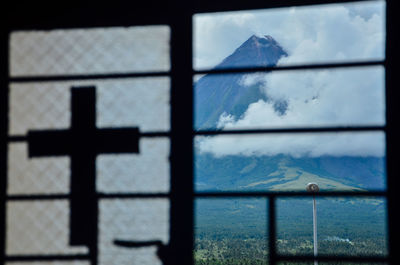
[(142, 102), (133, 173), (39, 227), (38, 106), (89, 51), (136, 220), (36, 176)]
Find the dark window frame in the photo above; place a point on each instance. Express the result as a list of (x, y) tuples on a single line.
[(178, 15)]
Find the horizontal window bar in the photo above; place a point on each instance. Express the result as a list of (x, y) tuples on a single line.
[(213, 6), (25, 79), (154, 134), (333, 258), (293, 130), (206, 194), (98, 195), (289, 67), (132, 195), (292, 194), (46, 257), (17, 138), (21, 138), (37, 197), (51, 78)]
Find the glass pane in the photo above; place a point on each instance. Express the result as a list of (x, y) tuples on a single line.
[(38, 106), (286, 36), (345, 226), (36, 176), (145, 172), (231, 231), (288, 162), (39, 228), (137, 220), (90, 51), (120, 103), (90, 144), (143, 102), (340, 97)]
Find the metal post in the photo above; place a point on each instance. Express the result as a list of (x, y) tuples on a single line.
[(315, 230), (313, 187)]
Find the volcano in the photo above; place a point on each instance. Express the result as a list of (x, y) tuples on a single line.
[(216, 94)]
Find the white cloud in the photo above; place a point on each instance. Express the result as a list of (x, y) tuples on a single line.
[(296, 145), (352, 96), (316, 98), (310, 34)]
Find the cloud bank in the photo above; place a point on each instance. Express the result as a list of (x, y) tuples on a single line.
[(296, 145), (335, 32), (353, 96)]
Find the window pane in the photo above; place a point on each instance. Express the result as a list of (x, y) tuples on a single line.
[(231, 231), (284, 36), (75, 142), (90, 51), (146, 172), (36, 176), (288, 162), (340, 97), (39, 228), (120, 103), (345, 226), (138, 220)]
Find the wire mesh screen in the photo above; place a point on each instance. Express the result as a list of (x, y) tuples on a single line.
[(38, 106), (39, 227), (61, 52), (131, 172), (138, 220), (36, 176), (47, 105), (82, 151)]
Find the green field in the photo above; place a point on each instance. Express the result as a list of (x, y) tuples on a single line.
[(234, 231)]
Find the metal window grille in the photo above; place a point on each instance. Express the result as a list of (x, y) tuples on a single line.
[(179, 17)]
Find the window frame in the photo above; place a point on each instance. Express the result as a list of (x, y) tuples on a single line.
[(179, 17)]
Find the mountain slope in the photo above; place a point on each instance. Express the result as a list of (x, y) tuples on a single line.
[(283, 172), (346, 225), (218, 94)]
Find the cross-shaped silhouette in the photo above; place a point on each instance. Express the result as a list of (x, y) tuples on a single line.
[(82, 143)]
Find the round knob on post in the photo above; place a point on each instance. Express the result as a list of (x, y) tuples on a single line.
[(312, 187)]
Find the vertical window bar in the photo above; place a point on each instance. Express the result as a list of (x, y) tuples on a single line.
[(182, 198), (271, 230), (3, 137), (392, 133)]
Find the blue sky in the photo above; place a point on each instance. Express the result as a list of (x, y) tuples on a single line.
[(312, 33), (328, 33)]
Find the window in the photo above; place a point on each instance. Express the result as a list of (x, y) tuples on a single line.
[(173, 200), (72, 191), (260, 121)]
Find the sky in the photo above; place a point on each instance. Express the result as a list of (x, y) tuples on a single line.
[(329, 33), (310, 33)]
